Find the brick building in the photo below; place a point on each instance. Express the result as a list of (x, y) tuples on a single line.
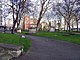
[(28, 23)]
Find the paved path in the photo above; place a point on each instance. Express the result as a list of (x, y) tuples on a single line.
[(50, 49)]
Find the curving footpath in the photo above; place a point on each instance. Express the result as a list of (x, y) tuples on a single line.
[(51, 49)]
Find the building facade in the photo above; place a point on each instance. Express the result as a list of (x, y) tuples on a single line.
[(28, 23)]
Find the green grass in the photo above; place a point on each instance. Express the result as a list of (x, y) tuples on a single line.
[(60, 36), (7, 38)]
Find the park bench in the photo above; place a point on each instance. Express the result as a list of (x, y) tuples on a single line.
[(9, 51)]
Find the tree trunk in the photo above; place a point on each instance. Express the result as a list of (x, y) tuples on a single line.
[(37, 28), (69, 28), (13, 28), (4, 29), (65, 25), (14, 21), (18, 23), (72, 26), (38, 23), (77, 26)]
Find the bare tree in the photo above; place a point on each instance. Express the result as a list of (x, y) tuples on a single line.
[(45, 5), (18, 9), (65, 9), (77, 14)]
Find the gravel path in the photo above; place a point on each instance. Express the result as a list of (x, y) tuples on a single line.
[(50, 49)]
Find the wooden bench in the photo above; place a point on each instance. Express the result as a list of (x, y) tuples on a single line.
[(10, 49)]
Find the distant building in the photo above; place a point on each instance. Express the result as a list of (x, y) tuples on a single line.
[(44, 26), (28, 23), (9, 23)]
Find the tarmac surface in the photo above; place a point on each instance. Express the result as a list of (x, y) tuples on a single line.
[(50, 49)]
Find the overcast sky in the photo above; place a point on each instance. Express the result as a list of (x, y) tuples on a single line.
[(33, 0)]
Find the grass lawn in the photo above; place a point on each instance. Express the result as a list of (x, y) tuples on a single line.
[(14, 39), (61, 36)]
